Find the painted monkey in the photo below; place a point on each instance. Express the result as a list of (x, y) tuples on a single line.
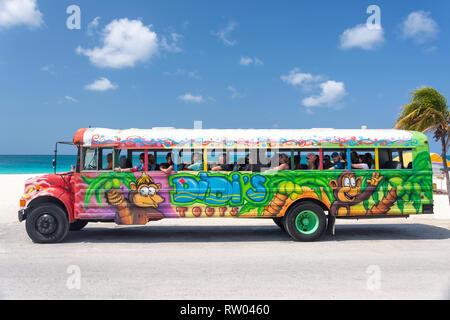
[(142, 203), (347, 191)]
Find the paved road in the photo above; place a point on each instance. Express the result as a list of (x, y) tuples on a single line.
[(230, 259)]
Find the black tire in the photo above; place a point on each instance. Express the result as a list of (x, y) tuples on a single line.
[(47, 223), (77, 225), (305, 221), (279, 222)]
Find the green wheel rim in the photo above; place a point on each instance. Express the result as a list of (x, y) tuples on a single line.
[(307, 222)]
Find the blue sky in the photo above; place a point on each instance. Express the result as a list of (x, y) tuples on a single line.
[(231, 64)]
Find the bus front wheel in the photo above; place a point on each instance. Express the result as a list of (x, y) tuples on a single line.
[(47, 223), (305, 221)]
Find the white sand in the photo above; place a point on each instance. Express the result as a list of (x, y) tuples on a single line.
[(12, 187)]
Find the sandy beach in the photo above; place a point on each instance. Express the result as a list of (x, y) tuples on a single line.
[(12, 187)]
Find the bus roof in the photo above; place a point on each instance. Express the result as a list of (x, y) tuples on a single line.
[(167, 138)]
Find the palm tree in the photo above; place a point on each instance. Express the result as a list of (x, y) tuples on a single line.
[(428, 112)]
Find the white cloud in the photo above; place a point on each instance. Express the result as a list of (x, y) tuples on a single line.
[(102, 84), (224, 34), (420, 27), (69, 98), (246, 61), (92, 26), (362, 37), (235, 94), (172, 46), (20, 12), (125, 43), (332, 93), (191, 98), (297, 78), (183, 72)]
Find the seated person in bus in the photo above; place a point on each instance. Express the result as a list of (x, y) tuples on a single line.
[(367, 158), (197, 163), (123, 162), (169, 166), (338, 164), (246, 166), (327, 164), (152, 166), (284, 163), (109, 158), (139, 167), (221, 164), (313, 161), (357, 162)]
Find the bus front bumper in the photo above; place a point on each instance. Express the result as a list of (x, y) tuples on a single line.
[(22, 214)]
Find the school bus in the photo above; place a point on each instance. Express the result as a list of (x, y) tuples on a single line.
[(302, 179)]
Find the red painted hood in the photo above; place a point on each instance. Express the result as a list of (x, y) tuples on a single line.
[(47, 185)]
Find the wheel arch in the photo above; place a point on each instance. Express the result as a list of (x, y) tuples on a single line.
[(50, 199), (302, 200)]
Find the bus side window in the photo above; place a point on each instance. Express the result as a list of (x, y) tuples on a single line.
[(363, 159), (106, 159), (192, 159), (395, 159), (90, 159)]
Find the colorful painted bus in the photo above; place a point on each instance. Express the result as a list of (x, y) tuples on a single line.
[(134, 176)]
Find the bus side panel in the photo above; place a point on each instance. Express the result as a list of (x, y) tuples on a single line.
[(218, 194), (270, 194), (134, 198), (128, 198)]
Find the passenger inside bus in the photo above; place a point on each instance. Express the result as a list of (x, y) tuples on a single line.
[(338, 164), (123, 162), (284, 163), (327, 162), (221, 164), (109, 158), (169, 166), (197, 163), (313, 161), (152, 166), (369, 160), (357, 162), (139, 167), (246, 166)]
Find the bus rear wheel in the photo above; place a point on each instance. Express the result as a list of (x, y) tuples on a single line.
[(305, 221), (47, 223)]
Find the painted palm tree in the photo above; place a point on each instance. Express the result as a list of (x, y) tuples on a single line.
[(106, 183), (400, 187), (285, 186), (428, 112)]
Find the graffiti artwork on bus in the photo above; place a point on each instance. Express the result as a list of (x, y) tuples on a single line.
[(138, 207), (137, 198)]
